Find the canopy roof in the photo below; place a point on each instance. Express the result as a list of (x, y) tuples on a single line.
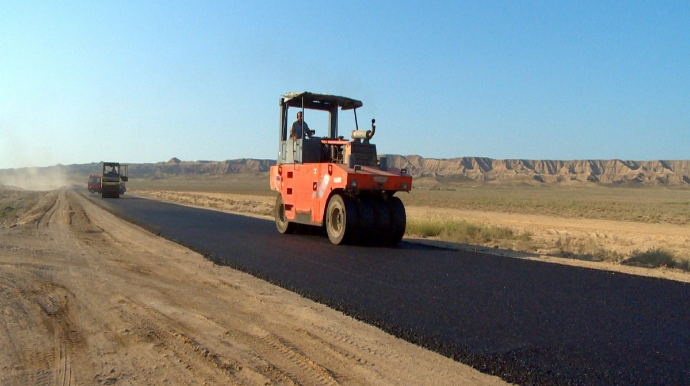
[(319, 101)]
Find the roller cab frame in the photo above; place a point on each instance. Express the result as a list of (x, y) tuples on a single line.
[(333, 182), (113, 175)]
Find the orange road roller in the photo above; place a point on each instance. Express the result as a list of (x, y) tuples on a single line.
[(332, 182)]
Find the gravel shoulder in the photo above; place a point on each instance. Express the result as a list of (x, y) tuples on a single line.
[(88, 298)]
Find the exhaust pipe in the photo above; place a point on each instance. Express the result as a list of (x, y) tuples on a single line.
[(361, 134), (371, 132)]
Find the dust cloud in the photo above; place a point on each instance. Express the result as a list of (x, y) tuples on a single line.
[(38, 179)]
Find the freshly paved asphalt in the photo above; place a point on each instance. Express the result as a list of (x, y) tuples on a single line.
[(528, 322)]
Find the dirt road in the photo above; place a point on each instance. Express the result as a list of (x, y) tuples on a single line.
[(87, 298)]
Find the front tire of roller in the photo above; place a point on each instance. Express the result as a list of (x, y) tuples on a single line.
[(282, 223), (367, 221), (382, 222), (341, 219), (398, 221)]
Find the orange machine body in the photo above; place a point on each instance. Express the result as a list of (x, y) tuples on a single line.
[(331, 182), (306, 188)]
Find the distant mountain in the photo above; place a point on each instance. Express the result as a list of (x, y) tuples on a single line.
[(671, 173), (175, 167), (549, 171)]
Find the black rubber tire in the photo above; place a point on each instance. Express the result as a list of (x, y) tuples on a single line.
[(304, 229), (92, 191), (282, 223), (366, 221), (382, 221), (300, 229), (398, 221), (310, 230), (116, 195), (341, 219)]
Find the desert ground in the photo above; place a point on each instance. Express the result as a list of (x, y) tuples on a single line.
[(88, 298)]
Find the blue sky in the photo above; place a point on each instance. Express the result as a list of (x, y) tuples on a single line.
[(145, 81)]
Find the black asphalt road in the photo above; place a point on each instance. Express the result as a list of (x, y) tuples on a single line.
[(528, 322)]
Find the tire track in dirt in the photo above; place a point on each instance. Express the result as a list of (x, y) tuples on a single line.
[(54, 302), (66, 337), (293, 358), (11, 352), (125, 239), (54, 224), (164, 335), (348, 341), (50, 299), (33, 300), (52, 199), (64, 373), (282, 362)]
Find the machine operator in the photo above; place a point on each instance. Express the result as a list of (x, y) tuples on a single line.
[(298, 126)]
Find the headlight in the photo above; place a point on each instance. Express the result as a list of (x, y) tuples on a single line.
[(404, 186), (353, 184)]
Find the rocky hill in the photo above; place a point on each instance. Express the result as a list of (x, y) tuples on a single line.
[(670, 173), (175, 167), (549, 171)]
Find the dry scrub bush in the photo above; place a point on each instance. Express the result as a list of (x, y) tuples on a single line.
[(582, 249), (462, 231), (585, 249), (656, 258)]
